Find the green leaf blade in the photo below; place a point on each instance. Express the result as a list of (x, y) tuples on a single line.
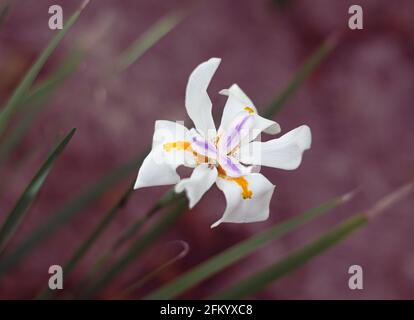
[(299, 257), (87, 244), (29, 194), (81, 251), (302, 74), (168, 198), (67, 212), (235, 253), (18, 94), (102, 261), (37, 98), (137, 247), (293, 261), (160, 29)]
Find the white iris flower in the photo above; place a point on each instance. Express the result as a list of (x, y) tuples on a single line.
[(230, 157)]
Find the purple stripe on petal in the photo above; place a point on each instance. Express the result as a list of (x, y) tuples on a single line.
[(234, 133), (203, 147), (231, 167)]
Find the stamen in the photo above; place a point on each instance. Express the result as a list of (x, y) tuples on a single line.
[(241, 181)]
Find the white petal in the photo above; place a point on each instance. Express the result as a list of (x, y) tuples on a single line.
[(266, 125), (169, 131), (241, 210), (237, 131), (155, 173), (237, 102), (200, 181), (197, 101), (283, 153), (159, 167)]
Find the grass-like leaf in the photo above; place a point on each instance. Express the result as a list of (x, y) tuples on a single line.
[(168, 198), (29, 194), (299, 257), (136, 248), (153, 273), (128, 233), (90, 240), (237, 252), (148, 39), (303, 73), (19, 93), (65, 69), (87, 244), (68, 211), (296, 259), (38, 98)]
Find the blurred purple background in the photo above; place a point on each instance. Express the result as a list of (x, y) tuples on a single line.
[(358, 103)]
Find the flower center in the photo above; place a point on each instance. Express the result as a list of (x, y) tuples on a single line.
[(186, 146)]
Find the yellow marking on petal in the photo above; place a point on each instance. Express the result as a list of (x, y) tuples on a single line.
[(179, 145), (185, 146), (241, 181), (248, 109)]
